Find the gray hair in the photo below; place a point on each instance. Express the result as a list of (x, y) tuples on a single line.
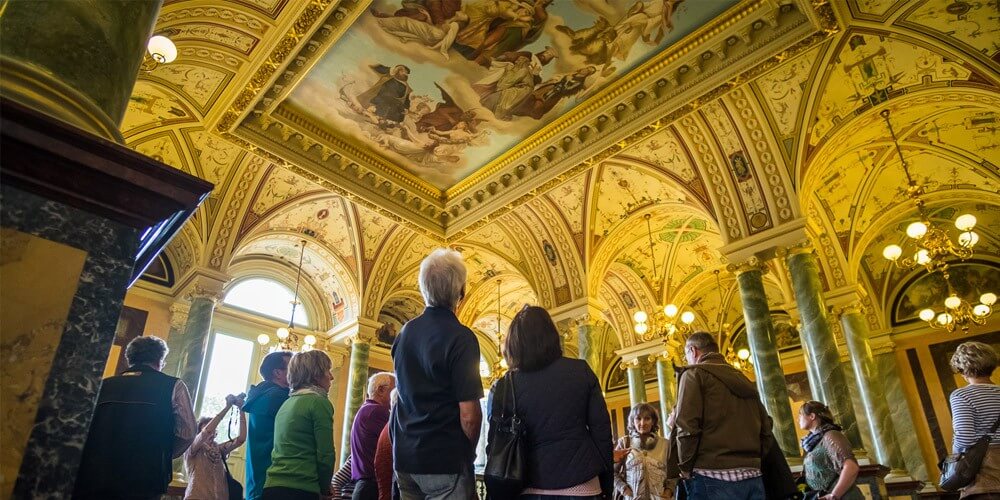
[(974, 359), (378, 380), (442, 278), (306, 368), (148, 350)]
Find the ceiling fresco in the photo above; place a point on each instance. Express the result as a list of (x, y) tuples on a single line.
[(794, 123), (442, 87)]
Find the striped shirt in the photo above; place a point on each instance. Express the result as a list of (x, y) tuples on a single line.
[(974, 409), (731, 475)]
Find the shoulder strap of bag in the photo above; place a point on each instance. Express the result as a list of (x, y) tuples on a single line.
[(513, 393)]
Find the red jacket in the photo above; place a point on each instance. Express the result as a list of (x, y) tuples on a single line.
[(383, 465)]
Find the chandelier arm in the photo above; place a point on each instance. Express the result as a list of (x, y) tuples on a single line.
[(298, 277), (649, 232)]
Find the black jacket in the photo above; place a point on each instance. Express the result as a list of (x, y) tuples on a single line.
[(130, 445), (568, 428)]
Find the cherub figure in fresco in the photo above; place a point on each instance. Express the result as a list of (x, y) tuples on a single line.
[(389, 98), (603, 43), (511, 79), (499, 26), (437, 37)]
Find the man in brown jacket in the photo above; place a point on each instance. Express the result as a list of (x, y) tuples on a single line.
[(719, 428)]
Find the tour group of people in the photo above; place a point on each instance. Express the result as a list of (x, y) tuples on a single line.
[(416, 434)]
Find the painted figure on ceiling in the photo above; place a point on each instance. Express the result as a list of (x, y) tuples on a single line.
[(499, 26), (438, 37), (547, 94), (389, 98), (511, 79), (448, 117)]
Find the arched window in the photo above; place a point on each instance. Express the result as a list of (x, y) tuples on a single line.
[(267, 298)]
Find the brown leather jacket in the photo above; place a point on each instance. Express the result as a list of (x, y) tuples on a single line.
[(720, 422)]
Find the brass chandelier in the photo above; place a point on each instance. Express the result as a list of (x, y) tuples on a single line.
[(288, 339), (665, 323), (935, 250), (493, 373)]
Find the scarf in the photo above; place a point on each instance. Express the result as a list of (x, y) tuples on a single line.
[(313, 389), (645, 442), (813, 438)]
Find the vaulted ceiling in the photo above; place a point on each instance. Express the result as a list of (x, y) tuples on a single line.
[(761, 114)]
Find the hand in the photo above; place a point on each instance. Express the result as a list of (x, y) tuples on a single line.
[(830, 496), (230, 400), (627, 492), (619, 455)]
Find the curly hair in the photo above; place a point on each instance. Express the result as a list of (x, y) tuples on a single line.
[(640, 409), (146, 351), (974, 359)]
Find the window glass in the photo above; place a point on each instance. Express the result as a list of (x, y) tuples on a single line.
[(268, 298), (228, 373)]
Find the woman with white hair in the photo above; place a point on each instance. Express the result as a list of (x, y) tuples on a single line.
[(436, 422), (975, 409), (303, 458)]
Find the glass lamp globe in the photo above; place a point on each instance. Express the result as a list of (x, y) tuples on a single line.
[(927, 314), (307, 348), (640, 316), (952, 302), (282, 333), (670, 310), (965, 222), (988, 298), (923, 256), (503, 363), (641, 328), (310, 339), (944, 318), (892, 252), (981, 310), (916, 230), (743, 354), (161, 49), (263, 339), (687, 317), (968, 239)]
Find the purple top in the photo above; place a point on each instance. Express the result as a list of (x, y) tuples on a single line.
[(368, 423)]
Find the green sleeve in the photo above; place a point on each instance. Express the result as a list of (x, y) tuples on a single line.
[(325, 455)]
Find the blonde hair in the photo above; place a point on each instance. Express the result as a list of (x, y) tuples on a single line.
[(974, 359), (306, 368)]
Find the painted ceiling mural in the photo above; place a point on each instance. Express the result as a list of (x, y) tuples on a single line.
[(444, 86), (481, 76)]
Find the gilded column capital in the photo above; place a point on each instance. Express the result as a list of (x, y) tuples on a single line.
[(751, 264), (630, 363), (800, 247), (205, 284)]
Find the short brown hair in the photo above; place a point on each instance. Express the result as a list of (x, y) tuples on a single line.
[(703, 341), (306, 368), (638, 410), (974, 359), (533, 341)]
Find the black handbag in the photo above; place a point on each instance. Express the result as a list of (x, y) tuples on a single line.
[(505, 475), (958, 470)]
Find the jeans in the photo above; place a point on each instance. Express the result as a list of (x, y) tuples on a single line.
[(460, 486), (705, 488)]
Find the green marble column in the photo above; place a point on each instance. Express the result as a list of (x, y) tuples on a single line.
[(667, 386), (815, 388), (636, 384), (902, 419), (589, 349), (197, 333), (175, 340), (870, 388), (357, 378), (75, 60), (822, 345), (766, 364)]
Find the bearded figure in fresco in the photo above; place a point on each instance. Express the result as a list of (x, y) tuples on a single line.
[(549, 93), (389, 98)]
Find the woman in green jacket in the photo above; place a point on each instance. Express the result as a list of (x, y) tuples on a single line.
[(303, 458)]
